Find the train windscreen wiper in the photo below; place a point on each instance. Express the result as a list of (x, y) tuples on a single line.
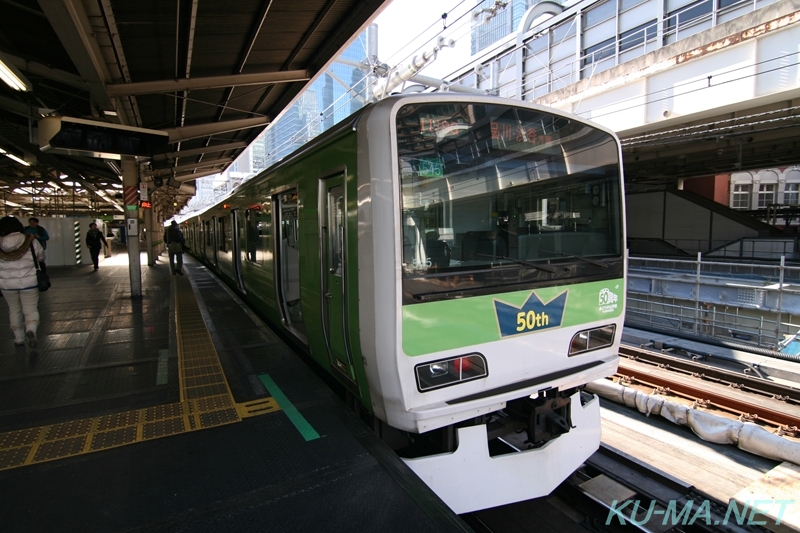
[(519, 261), (562, 254)]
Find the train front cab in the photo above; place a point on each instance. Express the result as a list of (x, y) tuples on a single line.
[(491, 287)]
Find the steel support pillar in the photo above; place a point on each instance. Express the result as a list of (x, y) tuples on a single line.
[(151, 233), (130, 182)]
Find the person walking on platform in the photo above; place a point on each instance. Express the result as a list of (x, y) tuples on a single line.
[(173, 237), (95, 241), (41, 235), (18, 281)]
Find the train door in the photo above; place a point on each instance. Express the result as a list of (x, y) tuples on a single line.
[(237, 256), (333, 243), (288, 263)]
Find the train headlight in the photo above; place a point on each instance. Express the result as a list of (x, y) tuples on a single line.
[(592, 339), (451, 371)]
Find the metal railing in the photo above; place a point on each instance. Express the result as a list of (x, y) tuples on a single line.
[(752, 324), (713, 322), (672, 27), (748, 248)]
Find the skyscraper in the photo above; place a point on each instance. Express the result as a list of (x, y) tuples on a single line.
[(485, 33)]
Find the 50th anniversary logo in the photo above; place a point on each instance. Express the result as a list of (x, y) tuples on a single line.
[(535, 315)]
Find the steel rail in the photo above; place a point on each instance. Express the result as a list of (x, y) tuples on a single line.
[(704, 371), (653, 488), (744, 409)]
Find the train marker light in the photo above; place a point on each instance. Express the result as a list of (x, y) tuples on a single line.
[(592, 339), (451, 371)]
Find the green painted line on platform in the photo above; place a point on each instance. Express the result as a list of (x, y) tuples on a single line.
[(302, 425), (162, 373)]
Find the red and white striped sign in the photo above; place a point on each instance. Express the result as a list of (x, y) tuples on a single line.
[(131, 195)]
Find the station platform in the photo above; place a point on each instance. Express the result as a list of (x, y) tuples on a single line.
[(180, 410)]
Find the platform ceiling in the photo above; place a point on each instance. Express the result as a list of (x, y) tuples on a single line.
[(745, 137), (212, 73)]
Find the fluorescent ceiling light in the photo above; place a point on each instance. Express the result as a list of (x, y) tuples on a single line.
[(113, 166), (12, 156), (13, 77), (12, 204)]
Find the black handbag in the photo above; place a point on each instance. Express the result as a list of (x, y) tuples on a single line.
[(42, 279)]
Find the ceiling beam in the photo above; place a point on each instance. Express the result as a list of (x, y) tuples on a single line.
[(182, 178), (16, 107), (202, 150), (73, 28), (255, 29), (212, 82), (32, 67), (189, 166), (186, 133)]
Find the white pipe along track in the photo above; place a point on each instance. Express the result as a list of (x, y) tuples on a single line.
[(747, 436)]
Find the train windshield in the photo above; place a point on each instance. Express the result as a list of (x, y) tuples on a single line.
[(494, 195)]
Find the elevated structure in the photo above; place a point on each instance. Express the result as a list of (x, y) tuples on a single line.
[(693, 88)]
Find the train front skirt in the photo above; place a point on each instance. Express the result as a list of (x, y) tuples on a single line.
[(468, 479)]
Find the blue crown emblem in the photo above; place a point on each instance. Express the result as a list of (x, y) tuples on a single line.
[(532, 316)]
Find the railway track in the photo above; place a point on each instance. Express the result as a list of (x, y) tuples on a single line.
[(614, 492), (731, 393)]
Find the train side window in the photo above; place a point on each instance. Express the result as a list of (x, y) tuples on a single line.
[(258, 233), (228, 233), (222, 235), (336, 225)]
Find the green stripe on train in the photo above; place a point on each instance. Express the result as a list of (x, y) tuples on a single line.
[(436, 326)]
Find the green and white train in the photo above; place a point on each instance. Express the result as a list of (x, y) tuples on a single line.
[(458, 263)]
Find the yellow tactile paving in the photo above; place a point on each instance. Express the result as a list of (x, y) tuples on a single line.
[(205, 401)]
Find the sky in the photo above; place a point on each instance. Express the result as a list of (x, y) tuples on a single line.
[(409, 27)]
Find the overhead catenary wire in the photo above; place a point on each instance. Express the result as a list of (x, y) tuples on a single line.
[(459, 27)]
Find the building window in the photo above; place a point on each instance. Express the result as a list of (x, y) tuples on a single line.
[(638, 36), (681, 18), (766, 195), (624, 5), (598, 52), (741, 197), (791, 193), (564, 31), (598, 14)]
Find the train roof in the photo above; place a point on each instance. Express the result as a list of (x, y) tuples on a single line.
[(350, 124)]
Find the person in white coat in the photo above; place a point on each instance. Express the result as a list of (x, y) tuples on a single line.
[(18, 280)]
